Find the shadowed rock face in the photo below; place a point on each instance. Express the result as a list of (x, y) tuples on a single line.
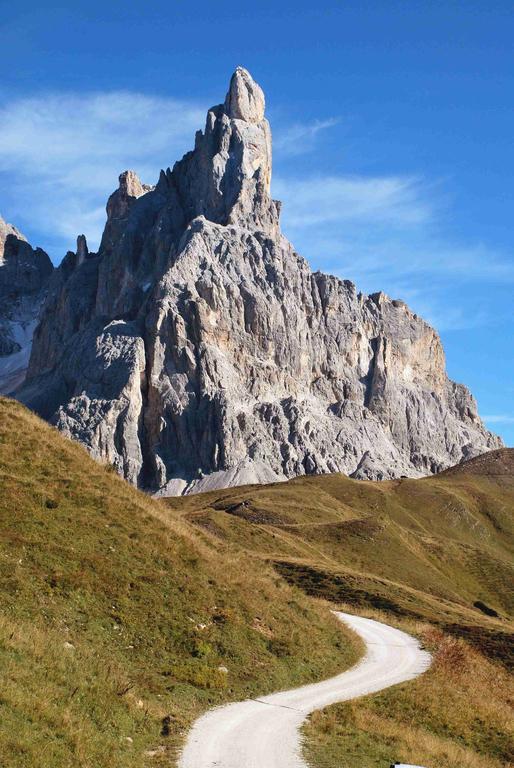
[(24, 275), (197, 349)]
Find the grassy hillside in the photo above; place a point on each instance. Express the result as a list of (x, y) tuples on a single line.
[(122, 618), (119, 622), (440, 548), (433, 556)]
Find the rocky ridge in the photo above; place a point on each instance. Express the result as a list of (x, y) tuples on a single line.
[(24, 275), (197, 349)]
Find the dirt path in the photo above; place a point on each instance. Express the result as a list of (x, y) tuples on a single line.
[(265, 732)]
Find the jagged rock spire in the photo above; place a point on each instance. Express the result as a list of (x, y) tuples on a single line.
[(227, 177), (7, 229), (119, 205), (130, 188), (24, 269), (24, 276), (245, 99), (82, 249)]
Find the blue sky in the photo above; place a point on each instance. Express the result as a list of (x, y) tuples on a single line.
[(392, 123)]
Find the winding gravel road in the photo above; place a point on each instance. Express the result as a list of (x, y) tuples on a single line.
[(264, 732)]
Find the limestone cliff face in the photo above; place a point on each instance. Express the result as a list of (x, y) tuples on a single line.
[(24, 274), (197, 349)]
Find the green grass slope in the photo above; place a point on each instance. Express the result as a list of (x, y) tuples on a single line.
[(439, 548), (433, 556), (121, 622)]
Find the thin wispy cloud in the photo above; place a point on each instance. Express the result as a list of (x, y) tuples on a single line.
[(391, 200), (62, 153), (53, 131), (299, 138), (499, 419), (386, 233)]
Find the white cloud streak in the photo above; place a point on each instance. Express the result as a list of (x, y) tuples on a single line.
[(61, 154), (499, 419), (385, 233), (318, 201), (300, 138)]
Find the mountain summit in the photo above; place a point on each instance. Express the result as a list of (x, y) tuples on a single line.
[(24, 275), (197, 349)]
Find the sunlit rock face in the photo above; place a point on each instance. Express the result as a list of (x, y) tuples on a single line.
[(197, 349), (24, 276)]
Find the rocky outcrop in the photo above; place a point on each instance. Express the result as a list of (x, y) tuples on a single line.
[(24, 275), (197, 349)]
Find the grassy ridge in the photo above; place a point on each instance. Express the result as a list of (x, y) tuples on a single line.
[(440, 547), (120, 623), (432, 556)]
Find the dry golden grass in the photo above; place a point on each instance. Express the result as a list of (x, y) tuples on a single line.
[(115, 616)]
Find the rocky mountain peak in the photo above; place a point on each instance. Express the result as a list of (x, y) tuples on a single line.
[(7, 230), (24, 276), (245, 99), (197, 349), (22, 268), (82, 249), (227, 177), (119, 205), (130, 188)]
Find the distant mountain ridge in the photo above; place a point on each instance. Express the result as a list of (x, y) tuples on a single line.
[(197, 349)]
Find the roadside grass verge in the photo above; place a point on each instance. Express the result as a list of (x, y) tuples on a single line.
[(458, 714)]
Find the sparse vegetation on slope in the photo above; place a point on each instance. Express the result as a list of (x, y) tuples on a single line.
[(119, 623)]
